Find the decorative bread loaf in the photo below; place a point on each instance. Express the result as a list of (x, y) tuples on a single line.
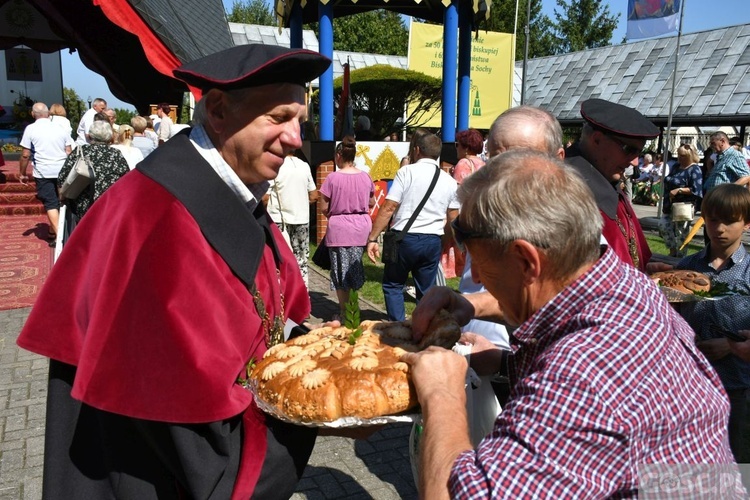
[(329, 373), (683, 281)]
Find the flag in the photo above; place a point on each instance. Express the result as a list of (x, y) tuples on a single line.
[(345, 114), (648, 18)]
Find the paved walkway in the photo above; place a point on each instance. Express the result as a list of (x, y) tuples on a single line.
[(340, 468)]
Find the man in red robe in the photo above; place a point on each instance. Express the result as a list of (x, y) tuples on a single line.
[(173, 283), (612, 136)]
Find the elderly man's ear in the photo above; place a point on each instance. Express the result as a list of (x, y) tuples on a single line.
[(527, 259), (216, 109)]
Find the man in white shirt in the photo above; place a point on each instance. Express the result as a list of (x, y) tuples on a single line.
[(165, 123), (419, 250), (288, 203), (87, 119), (49, 145)]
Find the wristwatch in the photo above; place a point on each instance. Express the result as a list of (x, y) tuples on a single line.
[(372, 241)]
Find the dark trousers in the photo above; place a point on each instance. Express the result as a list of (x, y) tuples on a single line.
[(739, 424), (418, 254)]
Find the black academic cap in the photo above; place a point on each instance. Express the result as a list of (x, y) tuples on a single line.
[(617, 119), (252, 65)]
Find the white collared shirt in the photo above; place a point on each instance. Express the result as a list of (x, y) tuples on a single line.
[(409, 187), (249, 194)]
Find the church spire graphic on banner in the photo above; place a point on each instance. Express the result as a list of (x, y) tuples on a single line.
[(648, 18)]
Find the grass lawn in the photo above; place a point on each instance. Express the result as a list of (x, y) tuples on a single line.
[(656, 244), (372, 290)]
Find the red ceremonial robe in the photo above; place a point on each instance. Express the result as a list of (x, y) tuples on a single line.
[(614, 206), (147, 318)]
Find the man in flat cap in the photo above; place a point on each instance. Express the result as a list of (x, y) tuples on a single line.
[(175, 281), (612, 136)]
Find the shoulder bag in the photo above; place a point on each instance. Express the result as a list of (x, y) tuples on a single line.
[(392, 239), (322, 257), (282, 226), (80, 176)]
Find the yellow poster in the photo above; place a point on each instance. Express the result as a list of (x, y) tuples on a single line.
[(491, 69)]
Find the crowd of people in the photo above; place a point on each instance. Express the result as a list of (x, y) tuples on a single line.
[(194, 280), (109, 149)]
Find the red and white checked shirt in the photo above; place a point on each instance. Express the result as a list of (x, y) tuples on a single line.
[(604, 377)]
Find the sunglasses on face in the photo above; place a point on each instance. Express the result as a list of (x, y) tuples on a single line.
[(462, 236), (628, 149)]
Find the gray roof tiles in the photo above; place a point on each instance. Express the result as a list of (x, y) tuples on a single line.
[(713, 77), (176, 25)]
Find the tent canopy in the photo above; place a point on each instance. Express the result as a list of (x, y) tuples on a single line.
[(429, 10), (133, 44)]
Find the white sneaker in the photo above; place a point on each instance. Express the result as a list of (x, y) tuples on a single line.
[(411, 291)]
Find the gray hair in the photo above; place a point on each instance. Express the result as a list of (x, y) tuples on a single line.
[(647, 158), (719, 135), (100, 132), (527, 195), (519, 119), (40, 110), (235, 96)]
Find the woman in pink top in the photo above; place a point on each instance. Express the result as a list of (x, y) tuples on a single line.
[(347, 195), (469, 145)]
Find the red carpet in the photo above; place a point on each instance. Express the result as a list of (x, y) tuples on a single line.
[(25, 259)]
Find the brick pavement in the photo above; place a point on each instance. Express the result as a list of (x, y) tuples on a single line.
[(340, 468), (23, 393)]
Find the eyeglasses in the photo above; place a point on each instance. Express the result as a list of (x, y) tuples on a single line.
[(462, 236), (628, 149)]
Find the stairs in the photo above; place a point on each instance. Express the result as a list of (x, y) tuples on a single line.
[(17, 198)]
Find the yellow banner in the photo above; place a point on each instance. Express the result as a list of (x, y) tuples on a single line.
[(492, 63)]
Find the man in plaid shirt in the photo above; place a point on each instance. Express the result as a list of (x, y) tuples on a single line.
[(605, 376), (730, 164)]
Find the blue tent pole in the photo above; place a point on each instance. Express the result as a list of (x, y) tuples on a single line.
[(450, 48), (325, 18), (464, 64), (295, 27)]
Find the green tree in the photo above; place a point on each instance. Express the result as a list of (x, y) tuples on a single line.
[(503, 17), (583, 24), (383, 93), (252, 12), (74, 107), (123, 116), (372, 32)]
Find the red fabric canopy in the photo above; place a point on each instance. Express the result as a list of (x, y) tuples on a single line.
[(122, 13)]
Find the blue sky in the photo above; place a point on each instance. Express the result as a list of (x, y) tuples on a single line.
[(699, 15)]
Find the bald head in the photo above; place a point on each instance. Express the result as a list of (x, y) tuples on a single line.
[(526, 127), (40, 110), (532, 196)]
